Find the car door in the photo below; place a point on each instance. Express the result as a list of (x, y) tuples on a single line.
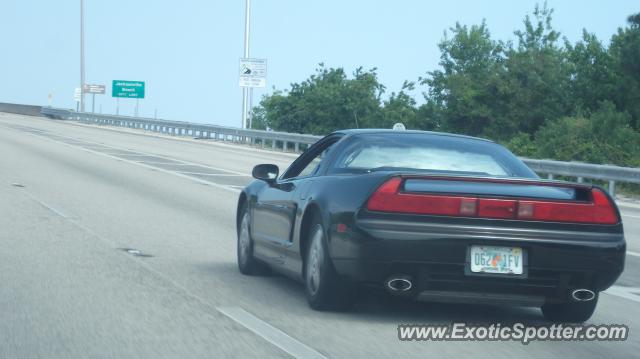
[(274, 212)]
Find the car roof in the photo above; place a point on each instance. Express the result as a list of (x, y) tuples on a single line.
[(369, 131)]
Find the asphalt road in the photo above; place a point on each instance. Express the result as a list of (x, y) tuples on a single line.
[(121, 244)]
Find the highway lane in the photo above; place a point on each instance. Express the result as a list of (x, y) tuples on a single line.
[(74, 197)]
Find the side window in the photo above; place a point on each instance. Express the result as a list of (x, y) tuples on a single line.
[(309, 167)]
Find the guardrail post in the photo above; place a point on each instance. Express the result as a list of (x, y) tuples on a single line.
[(273, 144), (612, 189), (285, 144), (580, 179), (297, 147), (262, 143), (550, 176)]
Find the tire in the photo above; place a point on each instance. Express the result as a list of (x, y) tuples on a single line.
[(247, 263), (570, 312), (325, 289)]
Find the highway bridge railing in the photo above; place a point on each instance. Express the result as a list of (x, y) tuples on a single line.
[(30, 110), (293, 142), (283, 141)]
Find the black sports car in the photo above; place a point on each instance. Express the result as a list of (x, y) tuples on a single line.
[(433, 216)]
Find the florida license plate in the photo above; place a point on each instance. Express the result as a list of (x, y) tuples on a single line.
[(496, 260)]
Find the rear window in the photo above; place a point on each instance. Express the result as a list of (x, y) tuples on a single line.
[(431, 153)]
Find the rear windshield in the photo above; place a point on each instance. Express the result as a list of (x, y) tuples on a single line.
[(429, 153)]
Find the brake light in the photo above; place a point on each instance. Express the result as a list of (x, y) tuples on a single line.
[(389, 198)]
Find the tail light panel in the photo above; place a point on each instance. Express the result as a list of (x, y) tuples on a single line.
[(389, 198)]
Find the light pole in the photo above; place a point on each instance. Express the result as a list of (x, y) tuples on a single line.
[(82, 55), (246, 91)]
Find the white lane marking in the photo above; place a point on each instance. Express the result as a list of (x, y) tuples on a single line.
[(127, 154), (630, 216), (270, 333), (213, 174), (635, 254), (182, 162), (628, 205), (47, 206), (630, 293), (194, 179), (161, 163)]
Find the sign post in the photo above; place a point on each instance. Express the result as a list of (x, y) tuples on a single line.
[(253, 73), (93, 90), (127, 89), (77, 97)]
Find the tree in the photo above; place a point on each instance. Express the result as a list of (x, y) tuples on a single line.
[(326, 101), (625, 53), (533, 87), (399, 107), (462, 91), (605, 137), (495, 89), (538, 95), (593, 78)]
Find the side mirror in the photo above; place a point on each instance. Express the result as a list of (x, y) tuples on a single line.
[(265, 172)]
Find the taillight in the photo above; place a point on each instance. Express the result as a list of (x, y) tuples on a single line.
[(497, 208), (389, 198)]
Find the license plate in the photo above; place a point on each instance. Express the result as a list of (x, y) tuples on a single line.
[(496, 260)]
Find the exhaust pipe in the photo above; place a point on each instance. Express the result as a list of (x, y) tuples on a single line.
[(583, 295), (397, 284)]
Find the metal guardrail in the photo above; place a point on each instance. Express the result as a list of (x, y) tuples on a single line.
[(284, 141), (582, 171), (20, 109)]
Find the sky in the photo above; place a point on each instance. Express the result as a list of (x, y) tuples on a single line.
[(188, 52)]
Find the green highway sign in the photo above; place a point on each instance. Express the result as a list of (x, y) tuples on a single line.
[(128, 89)]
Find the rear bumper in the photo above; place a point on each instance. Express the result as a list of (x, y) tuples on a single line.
[(435, 257)]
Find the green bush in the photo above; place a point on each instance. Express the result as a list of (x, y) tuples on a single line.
[(604, 137)]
